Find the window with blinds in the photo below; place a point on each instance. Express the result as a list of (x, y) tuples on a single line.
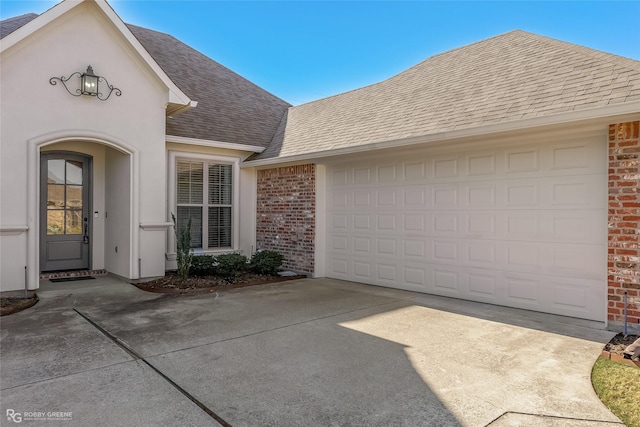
[(204, 195)]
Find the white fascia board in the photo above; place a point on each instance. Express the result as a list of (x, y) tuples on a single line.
[(213, 144), (176, 96), (602, 113)]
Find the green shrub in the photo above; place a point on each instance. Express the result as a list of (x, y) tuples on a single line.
[(266, 262), (202, 265), (230, 266)]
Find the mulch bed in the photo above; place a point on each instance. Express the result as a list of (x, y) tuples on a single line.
[(619, 343), (172, 284), (14, 305)]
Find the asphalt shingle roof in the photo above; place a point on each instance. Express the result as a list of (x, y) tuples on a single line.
[(230, 107), (9, 25), (509, 77)]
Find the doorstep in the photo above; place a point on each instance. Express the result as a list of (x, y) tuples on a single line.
[(74, 273)]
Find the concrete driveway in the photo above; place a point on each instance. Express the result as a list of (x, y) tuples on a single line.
[(313, 352)]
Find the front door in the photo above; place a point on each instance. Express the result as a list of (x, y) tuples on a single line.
[(65, 230)]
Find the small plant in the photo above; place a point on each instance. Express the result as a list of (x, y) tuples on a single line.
[(230, 266), (184, 254), (202, 265), (266, 262)]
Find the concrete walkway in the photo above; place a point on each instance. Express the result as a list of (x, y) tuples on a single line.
[(301, 353)]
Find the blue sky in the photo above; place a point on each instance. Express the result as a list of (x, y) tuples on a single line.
[(306, 50)]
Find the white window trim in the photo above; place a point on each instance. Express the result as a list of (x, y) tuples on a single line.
[(172, 202)]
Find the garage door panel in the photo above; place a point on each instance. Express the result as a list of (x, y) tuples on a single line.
[(480, 196), (580, 261), (340, 199), (415, 197), (522, 226), (415, 222), (361, 245), (480, 225), (576, 192), (413, 171), (338, 243), (339, 221), (573, 226), (521, 160), (387, 223), (338, 177), (444, 196), (444, 224), (572, 155), (481, 253), (483, 287), (524, 291)]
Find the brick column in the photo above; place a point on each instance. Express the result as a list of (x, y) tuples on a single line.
[(286, 209), (624, 223)]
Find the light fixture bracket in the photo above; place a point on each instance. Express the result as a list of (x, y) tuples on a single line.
[(90, 84)]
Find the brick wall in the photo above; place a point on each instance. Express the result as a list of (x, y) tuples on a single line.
[(286, 208), (624, 222)]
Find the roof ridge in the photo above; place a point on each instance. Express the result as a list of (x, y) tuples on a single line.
[(582, 50), (589, 52), (416, 65)]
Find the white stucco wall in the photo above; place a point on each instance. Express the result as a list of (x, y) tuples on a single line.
[(117, 242), (34, 114)]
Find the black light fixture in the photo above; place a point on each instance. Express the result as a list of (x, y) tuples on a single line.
[(89, 84)]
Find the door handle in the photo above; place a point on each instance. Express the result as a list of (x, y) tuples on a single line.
[(85, 235)]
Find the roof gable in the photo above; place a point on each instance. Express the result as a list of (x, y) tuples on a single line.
[(16, 29), (512, 77)]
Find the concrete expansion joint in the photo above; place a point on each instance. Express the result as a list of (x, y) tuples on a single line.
[(136, 356), (553, 417)]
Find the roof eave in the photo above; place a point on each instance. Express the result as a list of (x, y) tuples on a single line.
[(630, 108), (213, 144)]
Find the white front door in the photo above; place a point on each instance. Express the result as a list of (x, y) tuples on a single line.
[(65, 231)]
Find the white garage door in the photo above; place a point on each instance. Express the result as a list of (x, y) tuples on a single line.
[(521, 226)]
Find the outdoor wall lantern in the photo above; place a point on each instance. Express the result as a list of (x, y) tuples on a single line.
[(90, 84)]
